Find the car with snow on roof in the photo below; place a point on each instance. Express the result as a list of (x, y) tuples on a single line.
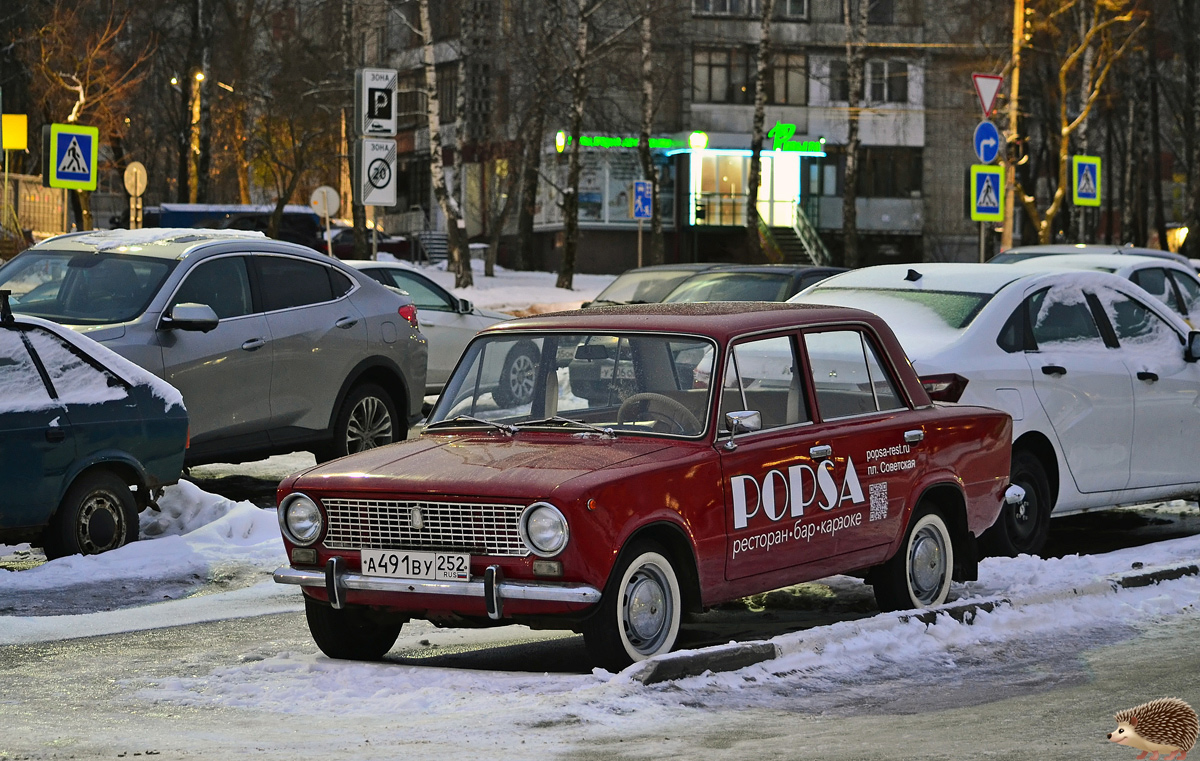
[(616, 516)]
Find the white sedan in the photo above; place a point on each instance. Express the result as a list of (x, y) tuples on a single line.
[(450, 323), (1101, 379)]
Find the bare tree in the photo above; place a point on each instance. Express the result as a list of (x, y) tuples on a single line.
[(763, 61), (856, 65), (648, 103)]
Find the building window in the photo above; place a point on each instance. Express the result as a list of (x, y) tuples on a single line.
[(890, 172), (793, 9), (447, 92), (887, 82), (879, 12), (410, 99), (725, 7), (789, 80), (839, 81), (722, 76)]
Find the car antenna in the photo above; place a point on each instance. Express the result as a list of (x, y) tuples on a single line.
[(6, 314), (913, 276)]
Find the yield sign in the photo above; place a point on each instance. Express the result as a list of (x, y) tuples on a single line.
[(986, 87)]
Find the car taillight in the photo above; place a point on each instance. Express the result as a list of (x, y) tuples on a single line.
[(409, 312), (944, 388)]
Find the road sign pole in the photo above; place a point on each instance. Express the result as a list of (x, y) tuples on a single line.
[(639, 243)]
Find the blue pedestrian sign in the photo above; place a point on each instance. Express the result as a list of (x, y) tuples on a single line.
[(1085, 180), (69, 156), (642, 199), (987, 193), (987, 142)]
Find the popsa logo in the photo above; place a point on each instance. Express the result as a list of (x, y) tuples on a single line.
[(799, 489)]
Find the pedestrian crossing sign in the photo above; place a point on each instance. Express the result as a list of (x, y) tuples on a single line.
[(69, 154), (1085, 180), (987, 193)]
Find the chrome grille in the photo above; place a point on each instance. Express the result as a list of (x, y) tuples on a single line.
[(385, 524)]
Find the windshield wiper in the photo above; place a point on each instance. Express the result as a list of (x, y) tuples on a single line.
[(459, 419), (569, 421)]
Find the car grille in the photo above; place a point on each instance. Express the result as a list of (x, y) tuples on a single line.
[(384, 524)]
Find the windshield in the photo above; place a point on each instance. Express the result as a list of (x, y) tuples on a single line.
[(638, 287), (733, 286), (629, 383), (83, 289)]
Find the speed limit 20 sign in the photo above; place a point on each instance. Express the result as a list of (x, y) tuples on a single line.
[(375, 172)]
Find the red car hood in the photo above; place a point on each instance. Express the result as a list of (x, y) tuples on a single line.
[(528, 465)]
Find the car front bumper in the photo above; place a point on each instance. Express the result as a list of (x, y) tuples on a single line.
[(492, 587)]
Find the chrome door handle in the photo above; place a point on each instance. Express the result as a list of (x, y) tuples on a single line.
[(912, 437), (254, 343), (824, 450), (346, 323)]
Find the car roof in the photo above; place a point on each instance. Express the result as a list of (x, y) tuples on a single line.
[(770, 269), (1051, 249), (735, 318), (158, 242), (1100, 262), (932, 276)]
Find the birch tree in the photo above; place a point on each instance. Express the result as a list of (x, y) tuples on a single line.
[(649, 171), (753, 242), (856, 65)]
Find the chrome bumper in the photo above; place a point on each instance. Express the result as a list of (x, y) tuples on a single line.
[(493, 588)]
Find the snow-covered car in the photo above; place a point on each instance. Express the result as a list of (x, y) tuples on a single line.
[(450, 323), (87, 439), (1101, 378), (275, 348), (1167, 280), (615, 516)]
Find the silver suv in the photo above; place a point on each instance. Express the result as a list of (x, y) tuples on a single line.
[(275, 347)]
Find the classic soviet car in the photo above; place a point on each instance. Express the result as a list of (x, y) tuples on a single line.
[(615, 514)]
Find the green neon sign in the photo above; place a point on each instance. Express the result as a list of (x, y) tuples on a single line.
[(562, 140), (782, 133)]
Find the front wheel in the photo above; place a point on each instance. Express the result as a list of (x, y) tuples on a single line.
[(349, 634), (1023, 528), (919, 574), (640, 612), (97, 514), (366, 420), (517, 376)]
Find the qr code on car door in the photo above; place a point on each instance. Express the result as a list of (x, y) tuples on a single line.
[(879, 501)]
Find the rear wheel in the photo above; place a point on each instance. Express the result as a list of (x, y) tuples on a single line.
[(517, 376), (368, 419), (919, 574), (1023, 528), (640, 611), (97, 514), (350, 633)]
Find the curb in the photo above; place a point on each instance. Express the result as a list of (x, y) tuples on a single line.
[(737, 655)]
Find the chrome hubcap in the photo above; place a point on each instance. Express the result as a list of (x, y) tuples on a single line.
[(101, 525), (369, 426), (647, 610), (927, 567)]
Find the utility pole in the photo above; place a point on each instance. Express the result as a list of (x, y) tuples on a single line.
[(1010, 188)]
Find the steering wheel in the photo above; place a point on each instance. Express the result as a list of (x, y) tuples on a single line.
[(669, 411)]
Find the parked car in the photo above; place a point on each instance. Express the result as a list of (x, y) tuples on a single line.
[(613, 519), (342, 238), (1099, 376), (275, 348), (750, 282), (648, 285), (450, 323), (1170, 282), (1021, 253), (87, 439)]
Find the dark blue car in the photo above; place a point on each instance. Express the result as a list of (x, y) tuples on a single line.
[(87, 439)]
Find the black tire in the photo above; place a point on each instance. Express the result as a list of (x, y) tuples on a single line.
[(517, 376), (367, 419), (640, 611), (1023, 528), (919, 574), (349, 634), (97, 514)]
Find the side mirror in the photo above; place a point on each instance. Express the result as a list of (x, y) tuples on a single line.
[(1192, 353), (741, 421), (464, 306), (199, 317)]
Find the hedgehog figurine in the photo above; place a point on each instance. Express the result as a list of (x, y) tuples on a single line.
[(1167, 726)]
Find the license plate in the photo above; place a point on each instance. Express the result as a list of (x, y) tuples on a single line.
[(434, 566)]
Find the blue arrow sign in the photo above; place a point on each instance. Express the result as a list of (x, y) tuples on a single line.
[(987, 142), (642, 200)]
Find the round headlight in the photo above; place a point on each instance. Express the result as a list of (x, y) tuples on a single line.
[(544, 529), (301, 519)]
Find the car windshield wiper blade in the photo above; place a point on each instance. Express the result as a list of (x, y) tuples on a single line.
[(568, 421), (461, 419)]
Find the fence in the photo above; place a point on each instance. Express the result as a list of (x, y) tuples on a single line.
[(30, 211)]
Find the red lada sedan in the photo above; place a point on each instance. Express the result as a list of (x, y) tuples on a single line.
[(672, 457)]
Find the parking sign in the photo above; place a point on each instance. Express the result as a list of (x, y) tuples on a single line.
[(375, 102)]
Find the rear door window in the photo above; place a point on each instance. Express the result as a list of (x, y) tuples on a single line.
[(847, 375), (286, 282), (1154, 281), (21, 385), (75, 378)]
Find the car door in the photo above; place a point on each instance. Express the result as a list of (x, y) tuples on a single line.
[(317, 335), (1166, 393), (447, 329), (1084, 388), (224, 374), (37, 444)]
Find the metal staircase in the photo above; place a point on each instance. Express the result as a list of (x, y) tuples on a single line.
[(434, 245), (790, 246), (806, 233)]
